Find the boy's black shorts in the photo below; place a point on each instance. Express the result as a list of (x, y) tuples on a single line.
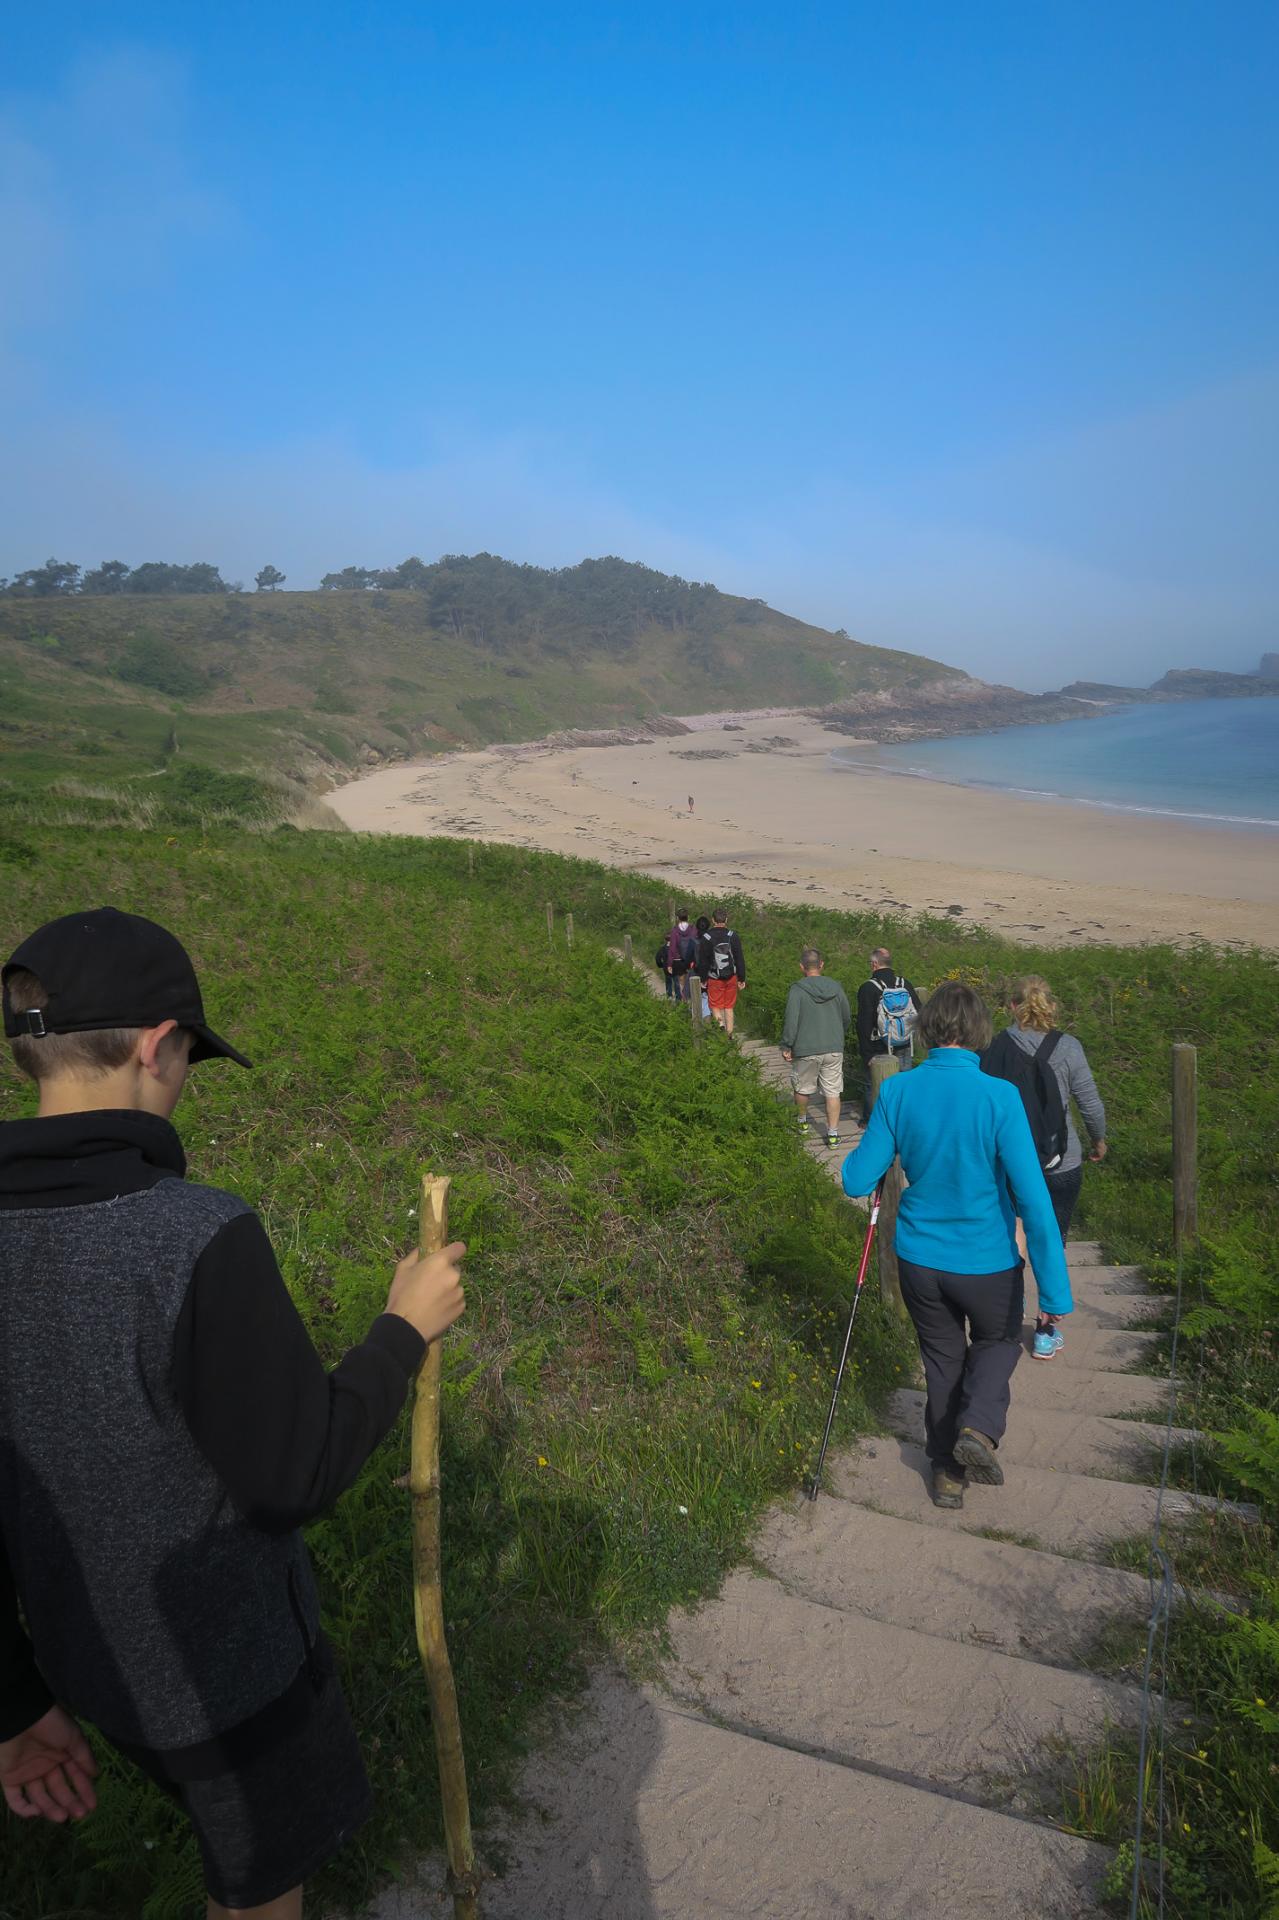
[(275, 1819)]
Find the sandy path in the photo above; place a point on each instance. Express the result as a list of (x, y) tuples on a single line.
[(786, 822)]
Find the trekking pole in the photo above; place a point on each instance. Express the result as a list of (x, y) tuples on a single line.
[(814, 1485), (428, 1595)]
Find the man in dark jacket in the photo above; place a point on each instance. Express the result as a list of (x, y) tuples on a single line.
[(166, 1427), (870, 999), (816, 1023), (721, 967)]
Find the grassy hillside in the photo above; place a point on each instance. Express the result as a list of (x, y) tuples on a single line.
[(656, 1280), (126, 686)]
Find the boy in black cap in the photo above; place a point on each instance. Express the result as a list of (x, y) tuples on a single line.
[(166, 1427)]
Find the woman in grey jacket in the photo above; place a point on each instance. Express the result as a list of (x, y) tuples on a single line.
[(1034, 1011)]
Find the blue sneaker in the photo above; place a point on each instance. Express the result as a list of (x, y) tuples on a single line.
[(1046, 1344), (1059, 1339)]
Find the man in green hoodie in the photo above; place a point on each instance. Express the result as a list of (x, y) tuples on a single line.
[(818, 1017)]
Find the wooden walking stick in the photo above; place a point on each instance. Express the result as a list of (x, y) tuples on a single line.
[(428, 1595)]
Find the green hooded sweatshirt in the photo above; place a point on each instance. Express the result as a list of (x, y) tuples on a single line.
[(817, 1017)]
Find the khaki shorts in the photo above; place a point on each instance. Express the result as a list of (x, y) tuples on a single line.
[(818, 1072)]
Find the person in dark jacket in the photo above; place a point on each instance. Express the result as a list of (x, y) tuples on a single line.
[(721, 967), (681, 952), (814, 1028), (870, 997), (166, 1428)]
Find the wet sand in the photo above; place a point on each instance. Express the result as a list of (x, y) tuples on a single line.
[(785, 822)]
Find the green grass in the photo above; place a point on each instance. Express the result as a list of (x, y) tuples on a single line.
[(656, 1280)]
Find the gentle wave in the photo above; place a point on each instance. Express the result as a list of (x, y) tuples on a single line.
[(851, 764)]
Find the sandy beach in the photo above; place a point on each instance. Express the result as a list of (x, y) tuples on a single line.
[(775, 817)]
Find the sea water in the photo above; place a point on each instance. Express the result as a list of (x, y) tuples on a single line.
[(1206, 760)]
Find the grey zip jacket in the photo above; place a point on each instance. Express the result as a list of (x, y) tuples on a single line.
[(1074, 1076), (817, 1017)]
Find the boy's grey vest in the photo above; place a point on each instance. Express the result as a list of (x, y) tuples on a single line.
[(156, 1611)]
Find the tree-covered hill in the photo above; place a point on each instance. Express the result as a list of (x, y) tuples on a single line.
[(386, 662)]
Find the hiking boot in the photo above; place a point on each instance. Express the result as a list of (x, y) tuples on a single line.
[(832, 1139), (948, 1488), (804, 1129), (974, 1451), (1045, 1345)]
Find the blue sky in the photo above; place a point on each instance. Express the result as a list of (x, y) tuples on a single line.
[(957, 326)]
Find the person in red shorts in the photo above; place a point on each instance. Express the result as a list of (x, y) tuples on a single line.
[(722, 968)]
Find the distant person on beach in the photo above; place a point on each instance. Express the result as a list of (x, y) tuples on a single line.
[(887, 1013), (722, 967), (681, 952), (1049, 1070), (966, 1149), (815, 1026), (168, 1430), (690, 803)]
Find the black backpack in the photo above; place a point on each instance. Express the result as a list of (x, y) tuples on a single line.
[(723, 966), (1035, 1081)]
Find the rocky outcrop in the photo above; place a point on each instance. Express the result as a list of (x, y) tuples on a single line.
[(1205, 683), (944, 707)]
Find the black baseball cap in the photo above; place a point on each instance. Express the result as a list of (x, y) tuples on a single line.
[(111, 969)]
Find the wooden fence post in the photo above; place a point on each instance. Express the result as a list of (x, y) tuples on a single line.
[(627, 950), (881, 1065), (550, 921), (428, 1601), (470, 858), (568, 930), (1185, 1150), (695, 1002)]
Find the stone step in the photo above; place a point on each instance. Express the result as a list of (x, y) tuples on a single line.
[(1057, 1512), (940, 1713), (1059, 1441), (954, 1585), (642, 1811), (1117, 1311), (1108, 1279), (1072, 1387), (1094, 1348)]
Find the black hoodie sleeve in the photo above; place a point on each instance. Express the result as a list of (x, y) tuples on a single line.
[(739, 958), (867, 1014), (285, 1436), (24, 1698)]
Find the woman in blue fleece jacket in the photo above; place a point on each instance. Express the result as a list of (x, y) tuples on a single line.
[(966, 1149)]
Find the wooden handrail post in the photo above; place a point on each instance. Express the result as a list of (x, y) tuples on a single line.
[(1185, 1146), (568, 930), (890, 1292), (628, 951), (550, 921), (470, 858), (428, 1592), (695, 1002)]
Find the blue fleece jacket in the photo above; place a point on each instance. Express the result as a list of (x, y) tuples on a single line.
[(964, 1141)]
